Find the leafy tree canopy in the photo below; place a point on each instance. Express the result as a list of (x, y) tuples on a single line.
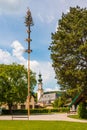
[(69, 50), (13, 83)]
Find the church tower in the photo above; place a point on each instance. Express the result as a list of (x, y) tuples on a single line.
[(40, 89)]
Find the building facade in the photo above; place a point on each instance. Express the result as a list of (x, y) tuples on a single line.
[(45, 98)]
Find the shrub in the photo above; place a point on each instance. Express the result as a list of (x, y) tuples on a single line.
[(35, 111), (14, 112), (82, 110)]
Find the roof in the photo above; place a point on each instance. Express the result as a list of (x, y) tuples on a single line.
[(49, 96), (79, 97), (57, 92)]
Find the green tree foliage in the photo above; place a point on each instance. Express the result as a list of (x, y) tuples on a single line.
[(69, 50), (13, 83), (59, 102), (62, 100), (82, 112)]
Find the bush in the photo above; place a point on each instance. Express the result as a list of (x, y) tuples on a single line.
[(35, 111), (82, 110), (38, 111), (14, 112)]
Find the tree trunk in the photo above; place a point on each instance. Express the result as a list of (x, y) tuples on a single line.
[(10, 108)]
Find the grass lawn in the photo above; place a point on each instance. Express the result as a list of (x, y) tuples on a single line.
[(41, 125), (76, 117)]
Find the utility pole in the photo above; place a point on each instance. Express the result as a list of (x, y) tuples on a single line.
[(28, 23)]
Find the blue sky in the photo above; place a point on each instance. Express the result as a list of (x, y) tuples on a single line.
[(46, 14)]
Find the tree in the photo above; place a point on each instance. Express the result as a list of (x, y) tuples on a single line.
[(62, 100), (59, 102), (69, 50), (13, 84)]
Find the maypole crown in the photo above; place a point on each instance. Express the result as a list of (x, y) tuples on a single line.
[(28, 18)]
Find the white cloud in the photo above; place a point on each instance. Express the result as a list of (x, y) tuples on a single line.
[(56, 88), (45, 18), (45, 69), (17, 56), (17, 52), (18, 49), (47, 72), (50, 18), (43, 10), (34, 65), (62, 1), (5, 57), (12, 6), (40, 17)]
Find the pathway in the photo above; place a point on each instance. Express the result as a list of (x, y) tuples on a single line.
[(50, 117)]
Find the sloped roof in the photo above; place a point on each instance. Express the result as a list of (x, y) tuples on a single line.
[(79, 97), (49, 96), (59, 93)]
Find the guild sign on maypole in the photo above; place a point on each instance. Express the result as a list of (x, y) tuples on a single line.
[(28, 23)]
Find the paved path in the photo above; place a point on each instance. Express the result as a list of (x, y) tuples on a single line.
[(51, 117)]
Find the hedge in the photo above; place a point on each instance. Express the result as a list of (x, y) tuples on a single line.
[(34, 111)]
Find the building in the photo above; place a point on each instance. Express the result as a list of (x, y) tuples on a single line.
[(40, 88), (45, 98), (21, 105), (81, 97)]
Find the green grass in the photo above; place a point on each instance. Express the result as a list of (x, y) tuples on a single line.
[(41, 125), (76, 117)]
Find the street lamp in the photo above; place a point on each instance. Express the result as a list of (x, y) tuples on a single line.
[(28, 23)]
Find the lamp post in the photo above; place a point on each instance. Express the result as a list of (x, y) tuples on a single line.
[(28, 23)]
